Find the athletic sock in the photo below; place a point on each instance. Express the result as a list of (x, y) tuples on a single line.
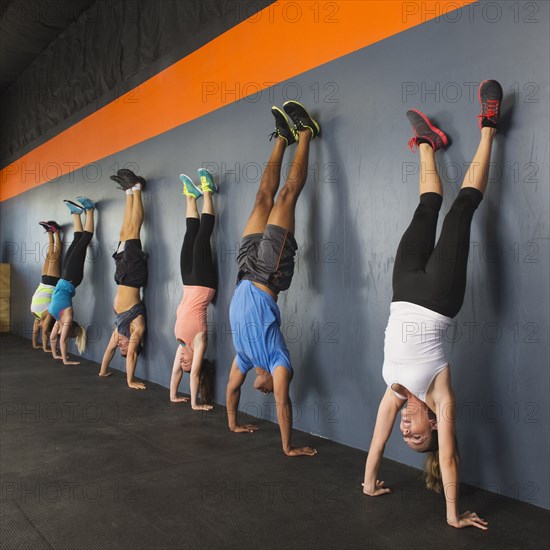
[(486, 123), (422, 140), (129, 191), (137, 187)]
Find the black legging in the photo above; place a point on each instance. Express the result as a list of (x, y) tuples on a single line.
[(435, 278), (72, 269), (196, 264)]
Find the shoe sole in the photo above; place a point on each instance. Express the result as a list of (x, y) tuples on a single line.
[(431, 126), (292, 101)]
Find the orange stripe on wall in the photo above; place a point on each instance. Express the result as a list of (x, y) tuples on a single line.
[(279, 42)]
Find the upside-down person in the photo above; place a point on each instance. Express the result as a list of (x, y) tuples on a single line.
[(130, 277)]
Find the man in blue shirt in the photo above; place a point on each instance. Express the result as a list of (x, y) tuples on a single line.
[(266, 266)]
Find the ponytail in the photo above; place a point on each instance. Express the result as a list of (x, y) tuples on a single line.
[(432, 472), (206, 381), (81, 339), (432, 468)]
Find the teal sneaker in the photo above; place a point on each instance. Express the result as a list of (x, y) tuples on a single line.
[(73, 207), (189, 188), (207, 183), (87, 204)]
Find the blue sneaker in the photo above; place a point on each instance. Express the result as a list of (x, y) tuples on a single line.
[(87, 204), (73, 207), (207, 183), (189, 188)]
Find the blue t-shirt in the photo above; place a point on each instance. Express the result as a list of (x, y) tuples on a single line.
[(256, 326), (62, 297)]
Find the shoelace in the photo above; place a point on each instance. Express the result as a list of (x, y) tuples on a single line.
[(492, 109), (413, 145)]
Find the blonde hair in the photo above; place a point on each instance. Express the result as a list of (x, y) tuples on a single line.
[(81, 339), (432, 468), (432, 472)]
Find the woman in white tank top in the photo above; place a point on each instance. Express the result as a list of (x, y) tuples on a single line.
[(428, 290)]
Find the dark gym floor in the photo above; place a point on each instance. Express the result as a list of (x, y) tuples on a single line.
[(87, 463)]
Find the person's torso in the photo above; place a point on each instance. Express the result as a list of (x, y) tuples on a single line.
[(41, 299), (62, 297), (255, 323), (126, 298), (191, 313), (414, 347)]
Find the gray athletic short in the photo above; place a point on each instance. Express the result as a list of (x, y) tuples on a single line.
[(268, 258)]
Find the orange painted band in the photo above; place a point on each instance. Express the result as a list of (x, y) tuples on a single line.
[(283, 40)]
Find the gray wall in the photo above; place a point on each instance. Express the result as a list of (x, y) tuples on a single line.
[(359, 199)]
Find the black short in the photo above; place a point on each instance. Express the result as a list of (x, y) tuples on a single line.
[(49, 280), (131, 265), (268, 258)]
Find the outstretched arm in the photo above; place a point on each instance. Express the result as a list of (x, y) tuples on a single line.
[(108, 355), (65, 322), (281, 382), (198, 356), (131, 357), (233, 394), (35, 331), (387, 412), (46, 324), (176, 378), (448, 457), (53, 340)]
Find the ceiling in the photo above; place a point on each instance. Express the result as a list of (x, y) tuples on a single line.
[(26, 29)]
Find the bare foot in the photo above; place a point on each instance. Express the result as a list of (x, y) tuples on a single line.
[(136, 385), (179, 399), (203, 407), (106, 374)]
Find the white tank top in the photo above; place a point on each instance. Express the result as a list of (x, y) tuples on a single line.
[(413, 347)]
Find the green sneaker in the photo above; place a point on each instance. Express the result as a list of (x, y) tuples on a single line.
[(189, 188), (207, 183), (301, 118)]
